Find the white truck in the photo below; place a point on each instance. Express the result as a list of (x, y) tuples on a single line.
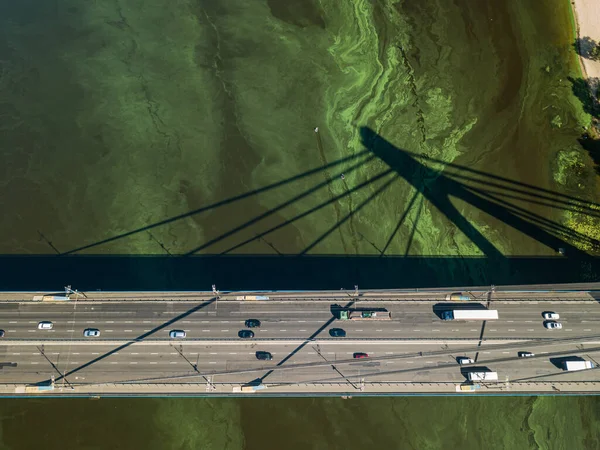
[(483, 376), (470, 314), (578, 365)]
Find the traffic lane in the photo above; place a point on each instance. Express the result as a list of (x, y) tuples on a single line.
[(337, 352)]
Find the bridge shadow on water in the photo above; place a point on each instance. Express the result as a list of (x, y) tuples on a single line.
[(504, 200)]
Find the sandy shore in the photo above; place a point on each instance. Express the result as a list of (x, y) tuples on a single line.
[(587, 15)]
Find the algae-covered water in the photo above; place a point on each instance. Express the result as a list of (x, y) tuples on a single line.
[(174, 128), (300, 424)]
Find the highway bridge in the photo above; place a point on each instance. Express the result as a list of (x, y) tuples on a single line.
[(415, 352)]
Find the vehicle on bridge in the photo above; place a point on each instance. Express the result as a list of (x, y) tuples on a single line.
[(350, 314), (550, 315), (91, 332), (483, 376), (175, 334), (45, 325), (337, 332), (360, 355), (462, 360), (578, 365), (252, 323), (264, 356), (470, 314), (525, 354), (551, 325), (245, 334), (458, 296)]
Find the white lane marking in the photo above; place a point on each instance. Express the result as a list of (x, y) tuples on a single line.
[(90, 321), (95, 353), (31, 331), (389, 353), (224, 321), (154, 353), (529, 329), (510, 321), (173, 362), (128, 321), (127, 331), (173, 353), (487, 353), (110, 321), (35, 353), (233, 353), (428, 362), (511, 329), (186, 321), (506, 353), (474, 329), (420, 330), (153, 362), (586, 329), (147, 321), (70, 331), (108, 331), (301, 321), (389, 362), (529, 321), (112, 362), (358, 330), (32, 321), (206, 331), (401, 330), (282, 330), (225, 331), (133, 362), (212, 362), (13, 321), (435, 330), (11, 331), (145, 331), (378, 330), (19, 353), (75, 353), (305, 330), (135, 353), (55, 353), (544, 353), (70, 321), (116, 353), (331, 353), (568, 329), (213, 353), (409, 362), (34, 362), (493, 329)]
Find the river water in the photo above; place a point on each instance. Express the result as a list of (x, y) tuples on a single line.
[(432, 142)]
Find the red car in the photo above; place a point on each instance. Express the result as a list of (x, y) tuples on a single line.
[(361, 355)]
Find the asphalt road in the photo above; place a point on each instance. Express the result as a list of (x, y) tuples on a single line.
[(207, 320), (415, 346)]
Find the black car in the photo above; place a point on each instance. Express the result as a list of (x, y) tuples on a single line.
[(337, 332), (246, 334), (1, 333), (264, 356), (253, 323)]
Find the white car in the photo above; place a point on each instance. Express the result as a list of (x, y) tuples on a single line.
[(549, 315), (462, 360), (45, 325), (174, 334), (91, 332), (553, 325)]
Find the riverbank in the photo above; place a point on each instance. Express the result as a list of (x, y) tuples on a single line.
[(587, 21)]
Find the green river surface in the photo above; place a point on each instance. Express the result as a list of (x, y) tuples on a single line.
[(123, 121)]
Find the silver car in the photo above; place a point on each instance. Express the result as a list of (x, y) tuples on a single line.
[(551, 325), (45, 325), (91, 332), (549, 315)]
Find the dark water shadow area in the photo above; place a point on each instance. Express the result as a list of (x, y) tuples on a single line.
[(491, 194)]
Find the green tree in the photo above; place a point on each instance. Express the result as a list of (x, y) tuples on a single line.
[(595, 52)]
